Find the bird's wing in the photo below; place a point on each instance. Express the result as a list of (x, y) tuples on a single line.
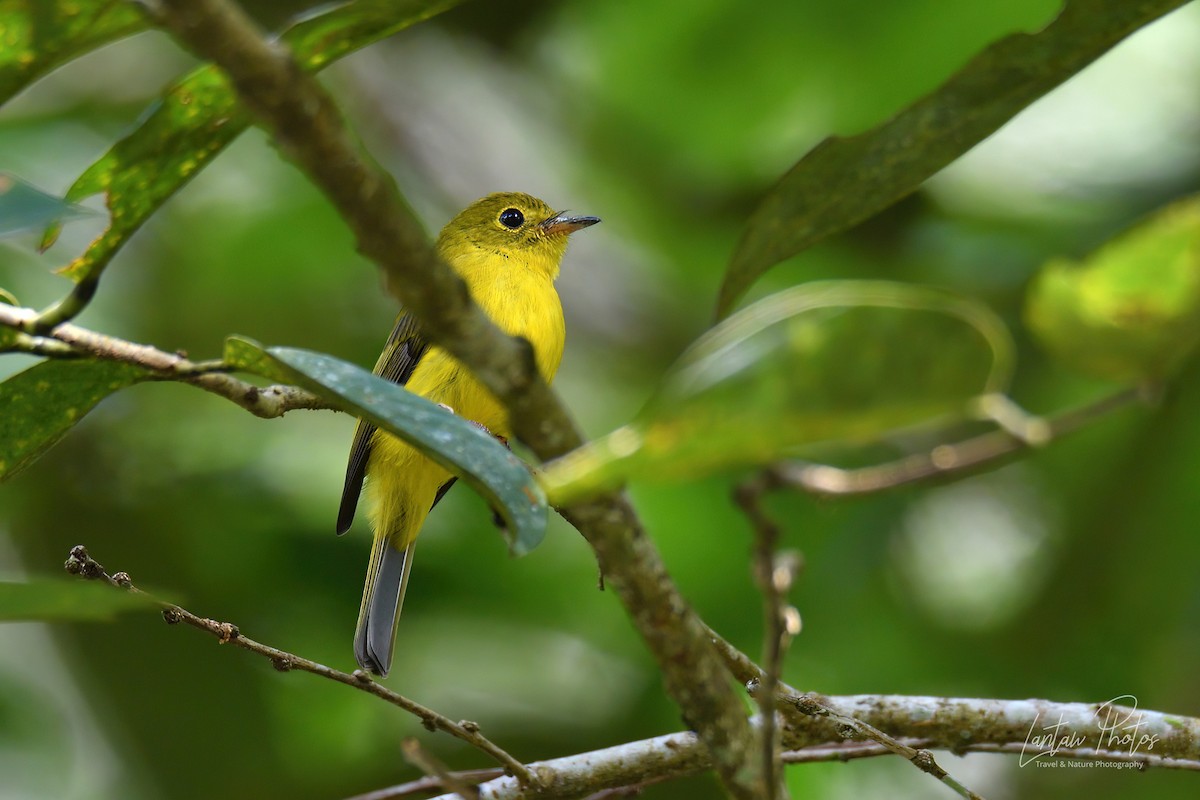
[(403, 351)]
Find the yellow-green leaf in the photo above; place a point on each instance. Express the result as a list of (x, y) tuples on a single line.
[(198, 116), (1131, 310), (38, 35), (826, 362)]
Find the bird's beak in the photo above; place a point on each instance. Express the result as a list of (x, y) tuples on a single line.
[(563, 223)]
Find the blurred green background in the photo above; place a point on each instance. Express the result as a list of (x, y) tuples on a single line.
[(1069, 575)]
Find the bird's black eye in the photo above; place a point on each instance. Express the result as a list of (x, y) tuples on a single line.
[(512, 218)]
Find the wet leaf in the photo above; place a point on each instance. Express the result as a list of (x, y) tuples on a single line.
[(829, 362), (1131, 310), (845, 180), (460, 446)]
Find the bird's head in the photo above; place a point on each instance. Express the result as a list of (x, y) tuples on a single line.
[(517, 226)]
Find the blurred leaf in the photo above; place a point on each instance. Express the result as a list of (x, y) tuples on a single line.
[(24, 207), (8, 298), (459, 445), (845, 180), (38, 35), (65, 600), (830, 361), (200, 115), (1131, 310), (38, 406)]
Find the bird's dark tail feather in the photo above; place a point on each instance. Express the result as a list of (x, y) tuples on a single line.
[(387, 578)]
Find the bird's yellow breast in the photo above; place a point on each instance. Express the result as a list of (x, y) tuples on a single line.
[(520, 298)]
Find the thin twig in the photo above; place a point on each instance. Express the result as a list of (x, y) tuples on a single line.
[(80, 563), (774, 576), (425, 761), (950, 460), (427, 784)]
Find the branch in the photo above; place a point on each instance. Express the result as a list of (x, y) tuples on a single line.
[(949, 460), (803, 707), (960, 725), (855, 728), (304, 121), (71, 341), (80, 563)]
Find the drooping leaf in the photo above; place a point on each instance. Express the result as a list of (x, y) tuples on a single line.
[(198, 116), (1131, 310), (24, 207), (845, 180), (66, 601), (457, 444), (38, 406), (826, 362), (38, 35)]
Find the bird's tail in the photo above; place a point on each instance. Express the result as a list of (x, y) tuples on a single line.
[(383, 595)]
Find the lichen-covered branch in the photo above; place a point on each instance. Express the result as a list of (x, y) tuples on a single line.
[(71, 341), (305, 123), (1108, 733)]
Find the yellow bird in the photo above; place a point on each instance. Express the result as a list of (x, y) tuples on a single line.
[(507, 247)]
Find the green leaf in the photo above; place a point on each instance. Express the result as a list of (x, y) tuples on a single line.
[(38, 35), (1131, 310), (457, 444), (38, 406), (24, 207), (828, 362), (198, 116), (845, 180), (66, 601)]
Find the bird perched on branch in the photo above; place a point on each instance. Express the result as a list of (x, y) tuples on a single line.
[(508, 248)]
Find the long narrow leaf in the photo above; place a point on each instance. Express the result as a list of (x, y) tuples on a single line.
[(843, 181)]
